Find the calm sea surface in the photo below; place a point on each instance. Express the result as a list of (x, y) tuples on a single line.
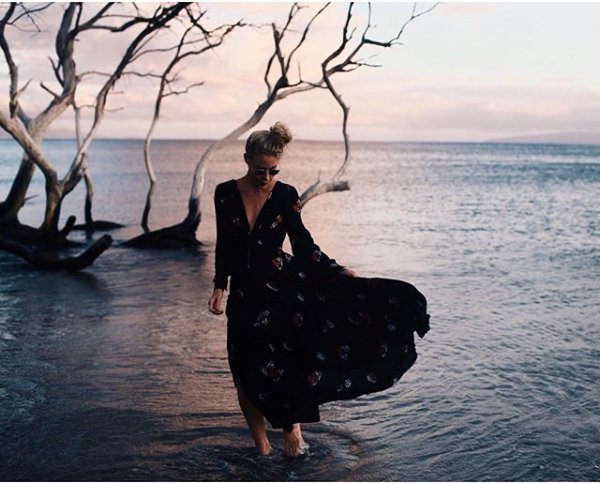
[(120, 373)]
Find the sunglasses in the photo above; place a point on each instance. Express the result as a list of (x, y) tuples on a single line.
[(263, 171)]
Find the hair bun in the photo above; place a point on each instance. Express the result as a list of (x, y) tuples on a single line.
[(281, 132), (271, 142)]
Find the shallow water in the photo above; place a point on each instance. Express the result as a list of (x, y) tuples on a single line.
[(119, 372)]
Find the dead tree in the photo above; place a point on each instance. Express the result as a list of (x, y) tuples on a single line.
[(343, 59), (195, 40), (20, 121), (137, 47), (19, 125)]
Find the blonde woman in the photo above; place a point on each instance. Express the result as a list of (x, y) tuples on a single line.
[(301, 329)]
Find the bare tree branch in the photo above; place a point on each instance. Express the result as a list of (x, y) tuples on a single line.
[(414, 15), (163, 15), (49, 91), (185, 90), (65, 72), (29, 145), (304, 35), (131, 21), (30, 13), (12, 67), (348, 64)]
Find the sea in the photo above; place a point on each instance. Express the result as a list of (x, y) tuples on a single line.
[(119, 372)]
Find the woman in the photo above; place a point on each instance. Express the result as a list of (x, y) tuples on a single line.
[(302, 330)]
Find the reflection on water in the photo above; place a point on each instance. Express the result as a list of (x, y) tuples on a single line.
[(119, 372)]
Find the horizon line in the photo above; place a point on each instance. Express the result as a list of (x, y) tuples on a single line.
[(488, 141)]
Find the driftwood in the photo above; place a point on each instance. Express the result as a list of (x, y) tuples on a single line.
[(43, 260)]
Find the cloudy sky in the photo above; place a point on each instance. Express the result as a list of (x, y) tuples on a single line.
[(464, 72)]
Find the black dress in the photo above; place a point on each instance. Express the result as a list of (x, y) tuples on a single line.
[(299, 334)]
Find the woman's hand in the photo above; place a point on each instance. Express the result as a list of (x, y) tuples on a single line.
[(214, 303)]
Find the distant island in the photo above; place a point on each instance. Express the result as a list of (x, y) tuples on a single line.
[(576, 137)]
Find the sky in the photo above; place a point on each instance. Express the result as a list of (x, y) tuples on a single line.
[(464, 72)]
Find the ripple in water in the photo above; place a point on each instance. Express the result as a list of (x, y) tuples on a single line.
[(143, 447)]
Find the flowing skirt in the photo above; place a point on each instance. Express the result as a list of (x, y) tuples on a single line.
[(298, 339)]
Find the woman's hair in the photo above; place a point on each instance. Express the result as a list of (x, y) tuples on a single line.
[(271, 142)]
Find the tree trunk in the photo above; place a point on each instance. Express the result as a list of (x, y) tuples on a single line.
[(148, 207), (90, 226), (184, 233), (9, 210), (49, 231), (89, 195), (148, 158)]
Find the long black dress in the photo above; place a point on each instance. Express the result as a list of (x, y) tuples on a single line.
[(298, 333)]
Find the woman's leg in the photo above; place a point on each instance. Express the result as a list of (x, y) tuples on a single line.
[(293, 442), (256, 423)]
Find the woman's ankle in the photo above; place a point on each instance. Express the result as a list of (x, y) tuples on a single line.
[(263, 446), (294, 444)]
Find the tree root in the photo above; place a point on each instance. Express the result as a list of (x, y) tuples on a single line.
[(43, 260), (177, 236), (98, 225)]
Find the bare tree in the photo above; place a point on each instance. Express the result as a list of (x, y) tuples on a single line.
[(343, 59), (18, 120), (195, 40), (28, 133)]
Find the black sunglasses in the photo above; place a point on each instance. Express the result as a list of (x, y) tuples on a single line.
[(270, 171)]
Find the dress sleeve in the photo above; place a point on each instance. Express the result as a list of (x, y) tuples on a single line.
[(222, 251), (303, 245)]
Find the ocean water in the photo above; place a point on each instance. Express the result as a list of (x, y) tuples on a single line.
[(120, 373)]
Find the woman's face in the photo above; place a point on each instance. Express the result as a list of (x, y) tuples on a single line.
[(262, 169)]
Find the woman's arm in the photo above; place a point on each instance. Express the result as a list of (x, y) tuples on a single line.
[(221, 255), (303, 245), (222, 250)]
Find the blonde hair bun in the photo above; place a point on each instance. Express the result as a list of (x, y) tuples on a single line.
[(271, 142), (280, 131)]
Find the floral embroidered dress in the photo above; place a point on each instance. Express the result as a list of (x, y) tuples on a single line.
[(299, 334)]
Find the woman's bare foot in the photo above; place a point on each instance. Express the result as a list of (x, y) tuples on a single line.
[(294, 444), (256, 423), (263, 447)]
